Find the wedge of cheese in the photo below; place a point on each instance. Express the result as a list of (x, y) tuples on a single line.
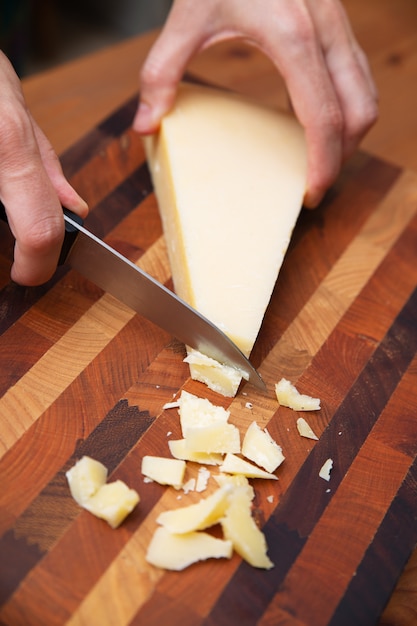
[(229, 177)]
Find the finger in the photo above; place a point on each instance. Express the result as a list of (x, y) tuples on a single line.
[(312, 94), (33, 208), (181, 38), (67, 195), (349, 71)]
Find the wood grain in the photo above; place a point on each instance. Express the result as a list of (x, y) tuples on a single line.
[(82, 374)]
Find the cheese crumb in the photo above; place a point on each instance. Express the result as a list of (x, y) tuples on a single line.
[(202, 479), (326, 469)]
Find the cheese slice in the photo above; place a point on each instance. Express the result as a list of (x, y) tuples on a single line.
[(240, 528), (176, 552), (229, 177), (197, 516)]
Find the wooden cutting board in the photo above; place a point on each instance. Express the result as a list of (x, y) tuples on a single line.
[(81, 374)]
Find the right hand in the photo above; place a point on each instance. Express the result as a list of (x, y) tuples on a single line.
[(32, 186), (312, 45)]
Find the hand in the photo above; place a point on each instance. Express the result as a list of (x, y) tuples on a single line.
[(311, 44), (32, 186)]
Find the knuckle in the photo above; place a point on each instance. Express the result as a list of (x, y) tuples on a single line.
[(42, 236), (151, 72), (362, 119)]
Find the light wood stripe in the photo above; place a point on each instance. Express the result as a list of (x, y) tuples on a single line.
[(373, 240), (25, 402), (364, 494), (310, 329)]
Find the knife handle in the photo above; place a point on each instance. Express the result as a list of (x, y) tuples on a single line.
[(70, 231)]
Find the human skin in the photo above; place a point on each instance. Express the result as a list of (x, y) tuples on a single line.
[(32, 186), (312, 45)]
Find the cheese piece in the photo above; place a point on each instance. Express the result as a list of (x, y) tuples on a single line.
[(233, 464), (176, 552), (197, 516), (305, 430), (325, 470), (163, 470), (203, 476), (85, 478), (259, 447), (199, 412), (235, 480), (221, 378), (112, 502), (216, 438), (240, 528), (288, 395), (229, 177), (179, 450)]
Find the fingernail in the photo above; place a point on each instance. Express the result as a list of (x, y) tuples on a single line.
[(143, 122)]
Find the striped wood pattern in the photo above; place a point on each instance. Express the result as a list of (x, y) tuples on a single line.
[(81, 374)]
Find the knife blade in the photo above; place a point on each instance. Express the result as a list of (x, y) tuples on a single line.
[(117, 275)]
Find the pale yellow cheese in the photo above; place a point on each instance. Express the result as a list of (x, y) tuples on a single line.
[(229, 176), (233, 464), (221, 378), (199, 412), (289, 396), (176, 552), (325, 469), (197, 516), (241, 529), (258, 446), (305, 429), (164, 470), (179, 450), (85, 478), (112, 502), (109, 501), (217, 438)]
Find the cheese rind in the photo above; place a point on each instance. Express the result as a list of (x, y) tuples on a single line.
[(229, 176)]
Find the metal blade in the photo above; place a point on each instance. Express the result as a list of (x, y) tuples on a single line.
[(115, 274)]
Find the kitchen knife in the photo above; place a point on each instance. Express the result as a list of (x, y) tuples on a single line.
[(108, 269)]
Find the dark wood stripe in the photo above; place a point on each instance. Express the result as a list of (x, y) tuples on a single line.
[(322, 235), (305, 500), (75, 158), (16, 300), (375, 578), (33, 533)]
